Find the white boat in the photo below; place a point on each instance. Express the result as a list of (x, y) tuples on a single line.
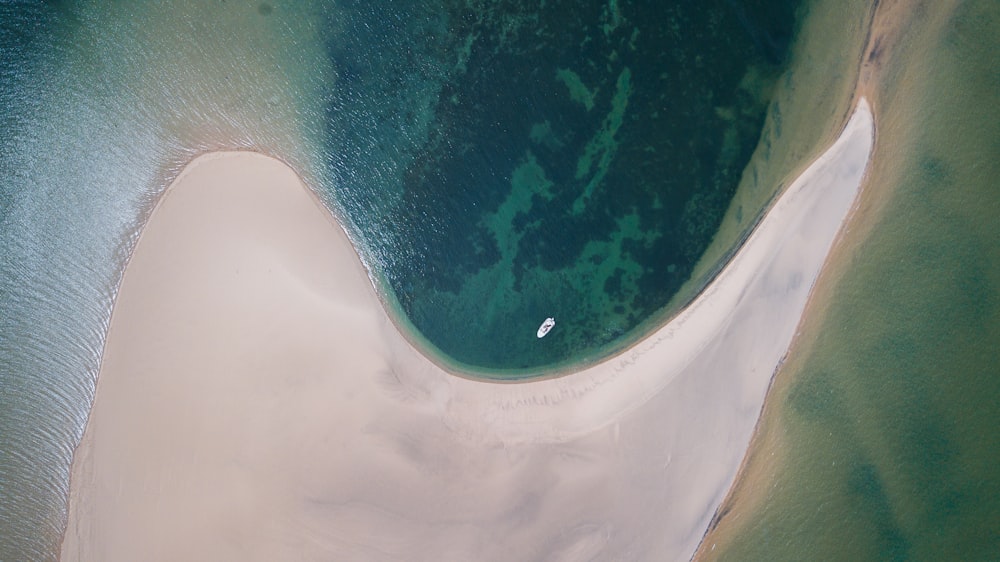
[(546, 326)]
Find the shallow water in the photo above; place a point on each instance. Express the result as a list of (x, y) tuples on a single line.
[(100, 108), (445, 134), (887, 426)]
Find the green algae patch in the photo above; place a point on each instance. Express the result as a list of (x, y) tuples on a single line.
[(578, 91), (602, 145)]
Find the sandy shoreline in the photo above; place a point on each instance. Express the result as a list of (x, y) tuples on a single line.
[(256, 402)]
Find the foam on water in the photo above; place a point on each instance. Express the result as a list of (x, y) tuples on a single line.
[(103, 106)]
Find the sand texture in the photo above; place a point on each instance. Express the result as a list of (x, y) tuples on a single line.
[(255, 401)]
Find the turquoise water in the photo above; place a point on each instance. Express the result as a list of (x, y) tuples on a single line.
[(534, 160), (502, 162), (99, 109)]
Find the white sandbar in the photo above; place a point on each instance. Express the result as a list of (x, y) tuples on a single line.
[(255, 402)]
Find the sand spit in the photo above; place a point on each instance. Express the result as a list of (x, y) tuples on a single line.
[(255, 402)]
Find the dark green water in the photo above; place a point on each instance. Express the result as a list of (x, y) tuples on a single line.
[(891, 419), (497, 163), (509, 161)]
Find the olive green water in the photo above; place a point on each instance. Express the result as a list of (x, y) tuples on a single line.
[(891, 419), (887, 429)]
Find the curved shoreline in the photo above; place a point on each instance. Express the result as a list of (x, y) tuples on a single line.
[(351, 443)]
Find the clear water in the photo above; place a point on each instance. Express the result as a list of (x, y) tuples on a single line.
[(505, 162), (544, 159), (100, 107)]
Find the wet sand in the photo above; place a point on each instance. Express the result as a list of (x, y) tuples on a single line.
[(256, 402)]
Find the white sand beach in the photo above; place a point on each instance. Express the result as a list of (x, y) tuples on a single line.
[(256, 402)]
